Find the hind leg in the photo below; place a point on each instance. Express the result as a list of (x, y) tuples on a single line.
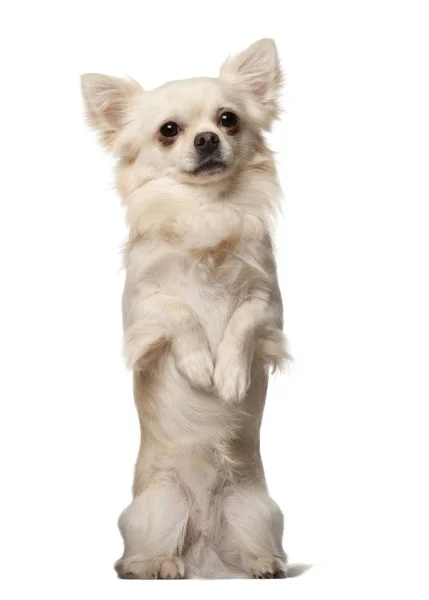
[(153, 528), (252, 534)]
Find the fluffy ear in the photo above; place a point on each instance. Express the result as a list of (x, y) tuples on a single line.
[(106, 101), (257, 72)]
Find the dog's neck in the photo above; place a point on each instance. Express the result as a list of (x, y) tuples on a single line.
[(198, 216)]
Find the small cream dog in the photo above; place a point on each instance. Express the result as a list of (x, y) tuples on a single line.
[(202, 313)]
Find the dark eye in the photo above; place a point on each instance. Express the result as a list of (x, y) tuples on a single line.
[(228, 119), (170, 129)]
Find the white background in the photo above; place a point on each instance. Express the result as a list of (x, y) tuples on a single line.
[(345, 434)]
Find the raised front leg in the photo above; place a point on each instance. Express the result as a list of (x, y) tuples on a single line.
[(159, 323), (235, 355), (252, 328)]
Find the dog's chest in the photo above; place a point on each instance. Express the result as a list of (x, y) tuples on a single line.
[(207, 258), (213, 279), (209, 282)]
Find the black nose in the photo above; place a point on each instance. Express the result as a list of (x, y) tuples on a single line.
[(206, 142)]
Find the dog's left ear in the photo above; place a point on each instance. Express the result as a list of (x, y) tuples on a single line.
[(257, 72)]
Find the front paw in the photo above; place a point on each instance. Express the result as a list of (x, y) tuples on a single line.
[(197, 367), (231, 377)]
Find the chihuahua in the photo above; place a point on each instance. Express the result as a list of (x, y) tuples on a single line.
[(202, 313)]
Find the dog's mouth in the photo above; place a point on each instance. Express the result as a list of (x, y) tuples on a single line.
[(210, 166)]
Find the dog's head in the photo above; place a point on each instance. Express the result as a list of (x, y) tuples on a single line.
[(197, 130)]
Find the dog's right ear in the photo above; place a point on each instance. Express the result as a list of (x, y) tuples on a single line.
[(107, 100)]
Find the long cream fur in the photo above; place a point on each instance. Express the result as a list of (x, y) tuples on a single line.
[(202, 317)]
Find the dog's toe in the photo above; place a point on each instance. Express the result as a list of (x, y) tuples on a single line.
[(267, 567)]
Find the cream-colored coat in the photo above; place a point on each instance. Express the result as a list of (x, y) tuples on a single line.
[(202, 318)]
